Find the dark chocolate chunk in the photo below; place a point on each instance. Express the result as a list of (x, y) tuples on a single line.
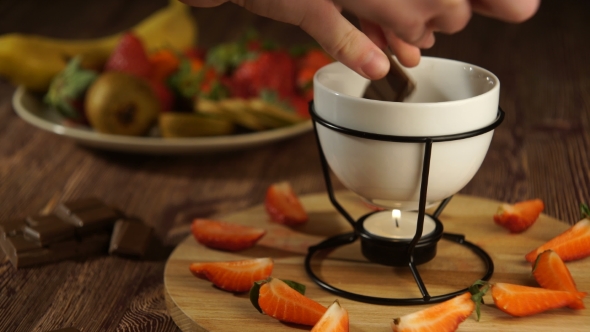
[(19, 243), (12, 227), (22, 253), (89, 215), (48, 229), (395, 86), (69, 208), (130, 238), (89, 221), (94, 244)]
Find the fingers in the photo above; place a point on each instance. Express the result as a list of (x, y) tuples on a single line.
[(408, 55), (322, 20), (413, 21), (345, 42), (506, 10), (204, 3)]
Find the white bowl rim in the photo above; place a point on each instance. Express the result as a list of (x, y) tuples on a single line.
[(496, 86)]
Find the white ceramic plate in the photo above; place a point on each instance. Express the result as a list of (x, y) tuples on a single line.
[(32, 110)]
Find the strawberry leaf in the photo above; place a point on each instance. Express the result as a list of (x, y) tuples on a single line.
[(295, 285), (226, 57), (185, 82), (255, 290), (585, 210), (478, 290), (68, 87)]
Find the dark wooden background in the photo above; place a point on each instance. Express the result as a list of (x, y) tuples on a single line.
[(541, 150)]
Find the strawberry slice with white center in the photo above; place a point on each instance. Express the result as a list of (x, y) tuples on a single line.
[(519, 217), (334, 320), (234, 276), (225, 236), (283, 205), (443, 317)]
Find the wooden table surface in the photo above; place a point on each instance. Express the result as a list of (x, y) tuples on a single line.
[(541, 150)]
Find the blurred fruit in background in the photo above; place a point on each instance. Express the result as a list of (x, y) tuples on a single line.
[(155, 76), (33, 61)]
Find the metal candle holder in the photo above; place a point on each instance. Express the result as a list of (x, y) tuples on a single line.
[(385, 250)]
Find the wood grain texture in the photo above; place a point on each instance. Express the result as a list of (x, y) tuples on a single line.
[(542, 150), (196, 305)]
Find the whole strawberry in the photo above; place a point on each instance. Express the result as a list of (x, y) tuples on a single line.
[(271, 70), (130, 57)]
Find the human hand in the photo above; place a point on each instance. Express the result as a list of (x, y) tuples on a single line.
[(405, 26)]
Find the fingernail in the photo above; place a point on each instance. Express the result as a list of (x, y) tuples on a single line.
[(375, 65)]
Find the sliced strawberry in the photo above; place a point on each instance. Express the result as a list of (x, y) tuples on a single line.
[(519, 217), (280, 301), (129, 56), (334, 320), (572, 244), (443, 317), (521, 301), (552, 273), (235, 276), (226, 236), (283, 206)]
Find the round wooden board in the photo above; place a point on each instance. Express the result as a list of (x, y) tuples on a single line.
[(196, 305)]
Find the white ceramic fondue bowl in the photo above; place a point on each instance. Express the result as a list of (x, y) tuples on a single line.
[(451, 97)]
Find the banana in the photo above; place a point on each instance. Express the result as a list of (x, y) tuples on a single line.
[(32, 61)]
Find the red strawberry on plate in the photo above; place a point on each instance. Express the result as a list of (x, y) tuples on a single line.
[(235, 276), (129, 56), (519, 217), (570, 245), (443, 317), (521, 301), (283, 206), (552, 273), (334, 320), (270, 70), (281, 301), (226, 236)]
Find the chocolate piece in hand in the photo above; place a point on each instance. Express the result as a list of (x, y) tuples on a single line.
[(130, 238), (395, 86), (48, 229)]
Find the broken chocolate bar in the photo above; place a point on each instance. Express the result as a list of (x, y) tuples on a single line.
[(89, 215), (130, 238), (48, 229), (12, 227), (23, 251), (395, 86)]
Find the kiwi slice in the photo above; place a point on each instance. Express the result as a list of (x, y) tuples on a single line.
[(122, 104), (192, 125)]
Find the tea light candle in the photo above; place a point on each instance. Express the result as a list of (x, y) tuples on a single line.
[(397, 225)]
